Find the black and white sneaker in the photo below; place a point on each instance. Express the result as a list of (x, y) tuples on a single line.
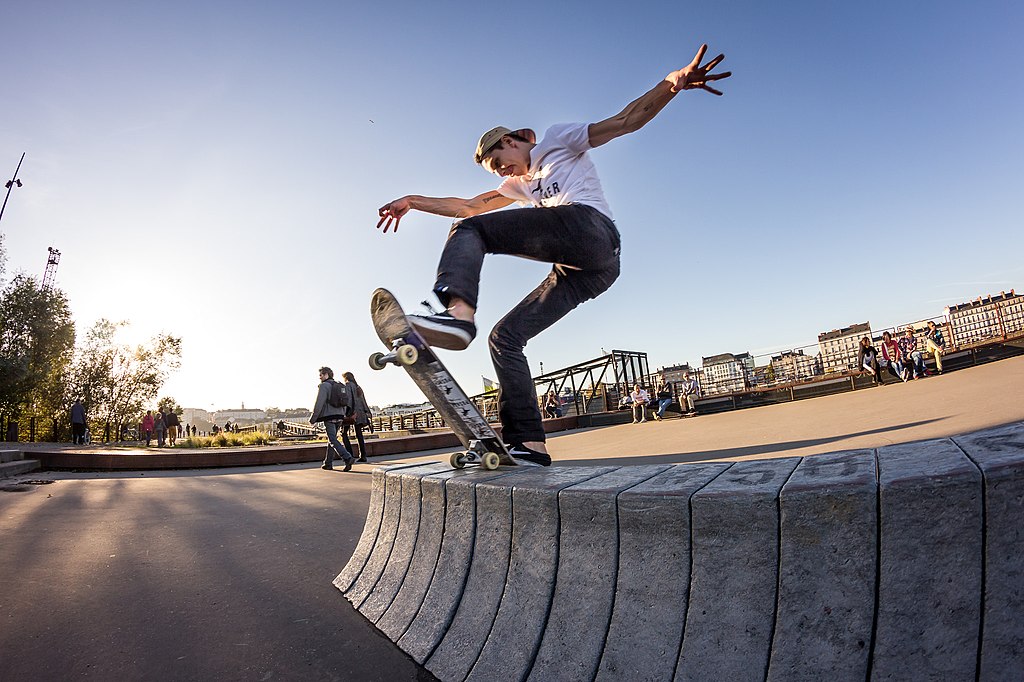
[(527, 457), (444, 331)]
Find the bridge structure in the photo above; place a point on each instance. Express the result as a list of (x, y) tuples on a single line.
[(589, 387)]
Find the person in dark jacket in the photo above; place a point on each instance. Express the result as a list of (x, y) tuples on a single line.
[(172, 422), (867, 361), (78, 423), (664, 399), (332, 418), (360, 417)]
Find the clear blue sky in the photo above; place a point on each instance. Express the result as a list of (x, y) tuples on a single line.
[(211, 169)]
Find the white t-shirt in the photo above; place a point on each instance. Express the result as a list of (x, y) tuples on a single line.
[(560, 172)]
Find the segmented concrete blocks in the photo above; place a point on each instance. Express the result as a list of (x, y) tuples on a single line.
[(897, 563)]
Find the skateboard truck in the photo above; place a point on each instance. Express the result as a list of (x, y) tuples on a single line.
[(476, 453), (404, 354)]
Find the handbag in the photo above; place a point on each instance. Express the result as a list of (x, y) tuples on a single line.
[(357, 418)]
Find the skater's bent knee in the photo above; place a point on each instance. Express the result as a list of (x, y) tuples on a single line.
[(501, 340)]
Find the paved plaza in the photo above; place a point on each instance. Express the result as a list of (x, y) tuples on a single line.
[(226, 574)]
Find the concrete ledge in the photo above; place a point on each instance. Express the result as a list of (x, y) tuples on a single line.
[(901, 563), (17, 467)]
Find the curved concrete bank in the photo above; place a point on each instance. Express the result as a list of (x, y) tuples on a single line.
[(897, 563)]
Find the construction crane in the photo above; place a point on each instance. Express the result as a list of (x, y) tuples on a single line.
[(51, 268)]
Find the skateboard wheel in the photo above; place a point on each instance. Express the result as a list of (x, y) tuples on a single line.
[(457, 460), (408, 355), (491, 461), (376, 361)]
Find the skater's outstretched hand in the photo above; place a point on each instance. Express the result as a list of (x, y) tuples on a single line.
[(392, 212), (693, 75)]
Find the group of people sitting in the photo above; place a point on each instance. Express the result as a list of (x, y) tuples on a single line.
[(902, 357), (639, 399)]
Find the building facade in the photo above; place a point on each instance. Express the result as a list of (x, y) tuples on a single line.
[(240, 416), (403, 408), (791, 366), (726, 373), (838, 348), (192, 415), (985, 319)]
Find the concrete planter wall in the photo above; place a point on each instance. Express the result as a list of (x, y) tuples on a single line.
[(897, 563)]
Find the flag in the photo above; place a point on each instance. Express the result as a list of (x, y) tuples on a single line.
[(489, 384)]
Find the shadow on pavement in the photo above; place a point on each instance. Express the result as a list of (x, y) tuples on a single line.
[(730, 453)]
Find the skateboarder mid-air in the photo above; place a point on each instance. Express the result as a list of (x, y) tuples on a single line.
[(570, 226)]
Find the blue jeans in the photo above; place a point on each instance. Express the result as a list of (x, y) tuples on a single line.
[(917, 360), (334, 448), (662, 404)]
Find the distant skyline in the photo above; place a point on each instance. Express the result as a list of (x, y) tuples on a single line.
[(216, 173)]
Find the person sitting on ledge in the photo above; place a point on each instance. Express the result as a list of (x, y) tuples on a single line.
[(891, 357), (935, 344), (867, 361), (912, 358), (688, 395), (639, 397)]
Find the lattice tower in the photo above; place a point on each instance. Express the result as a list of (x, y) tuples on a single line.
[(51, 268)]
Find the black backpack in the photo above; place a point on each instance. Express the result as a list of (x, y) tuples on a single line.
[(339, 395)]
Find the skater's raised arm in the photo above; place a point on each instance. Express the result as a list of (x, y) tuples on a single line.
[(641, 110), (452, 207)]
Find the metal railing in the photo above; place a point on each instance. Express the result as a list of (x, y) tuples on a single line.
[(591, 386)]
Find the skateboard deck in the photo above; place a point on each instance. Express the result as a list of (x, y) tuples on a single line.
[(408, 349)]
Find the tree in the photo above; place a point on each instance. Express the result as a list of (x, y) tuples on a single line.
[(169, 404), (115, 380), (37, 338)]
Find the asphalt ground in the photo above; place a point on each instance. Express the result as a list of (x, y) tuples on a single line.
[(212, 575), (226, 574)]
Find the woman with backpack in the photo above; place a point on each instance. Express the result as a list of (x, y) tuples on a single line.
[(360, 417)]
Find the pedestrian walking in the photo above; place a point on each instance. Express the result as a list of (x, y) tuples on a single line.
[(331, 409), (359, 419), (147, 426), (78, 422)]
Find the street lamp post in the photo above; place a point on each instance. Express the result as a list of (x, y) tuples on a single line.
[(11, 184)]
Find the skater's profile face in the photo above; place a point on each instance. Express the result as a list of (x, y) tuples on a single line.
[(510, 158)]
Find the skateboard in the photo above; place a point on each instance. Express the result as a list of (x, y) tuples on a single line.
[(407, 349)]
